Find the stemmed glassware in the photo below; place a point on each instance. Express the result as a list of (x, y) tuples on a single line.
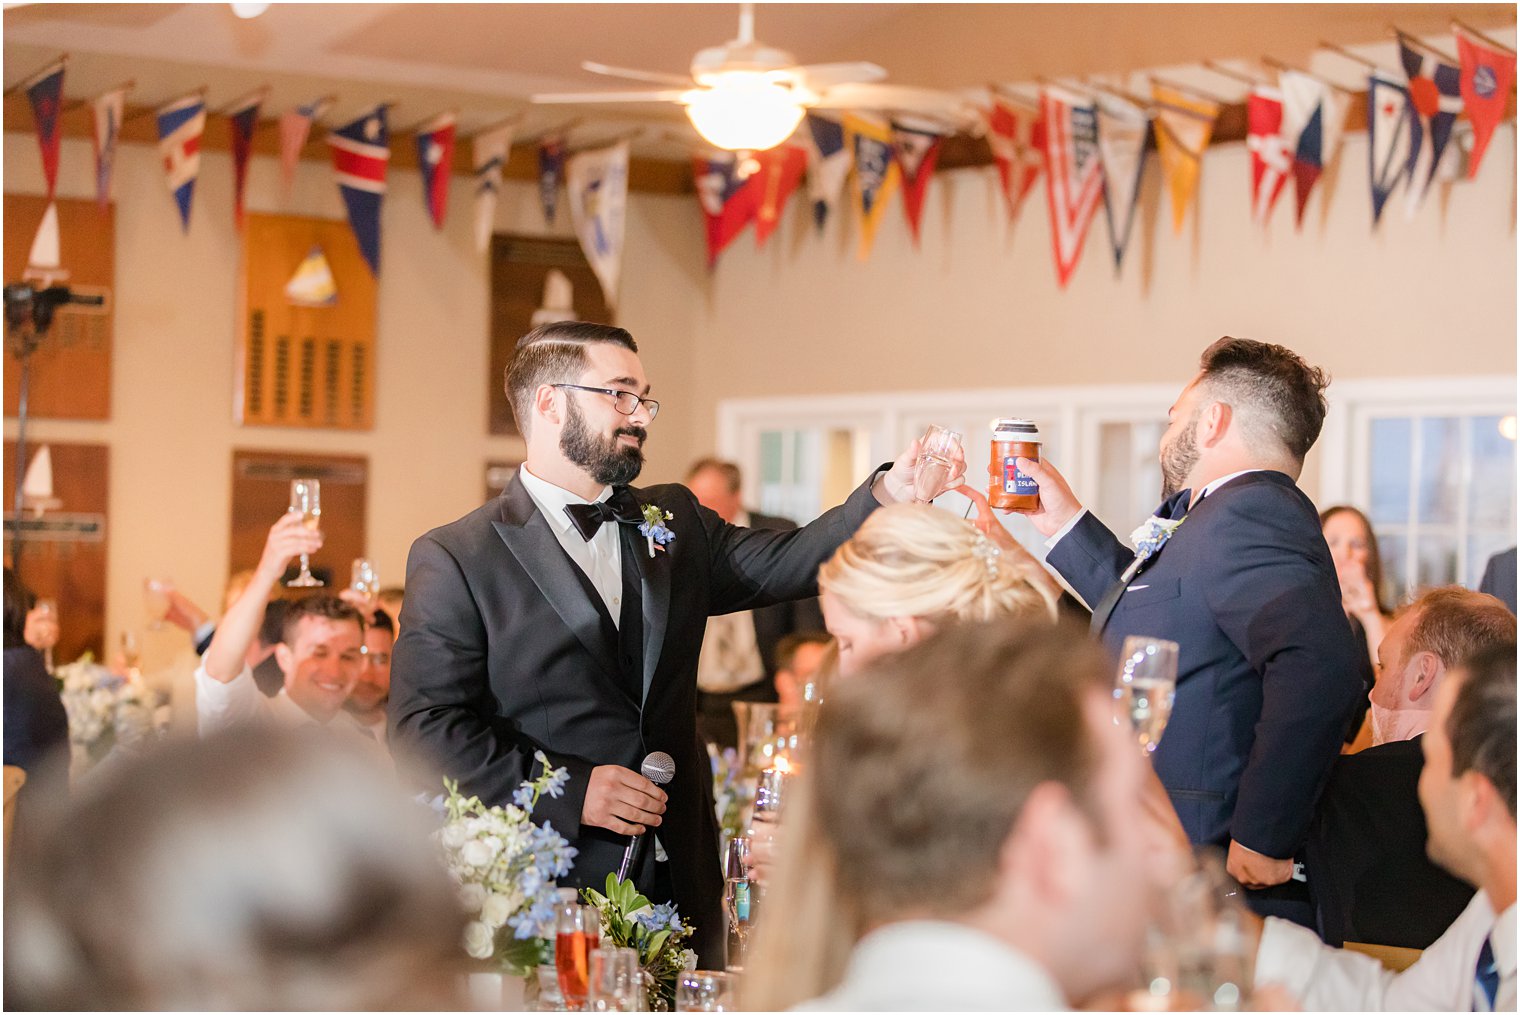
[(578, 929), (365, 580), (1145, 686), (740, 900), (616, 982), (306, 500), (705, 990), (131, 652), (1198, 954), (156, 599), (936, 460)]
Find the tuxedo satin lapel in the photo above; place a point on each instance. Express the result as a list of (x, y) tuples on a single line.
[(656, 590), (536, 548)]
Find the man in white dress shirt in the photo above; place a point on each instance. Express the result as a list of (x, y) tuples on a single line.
[(1467, 790)]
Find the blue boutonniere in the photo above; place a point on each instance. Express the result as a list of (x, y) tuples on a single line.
[(653, 527), (1149, 538)]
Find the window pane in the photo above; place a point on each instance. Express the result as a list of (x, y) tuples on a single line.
[(1391, 440), (1395, 569), (1492, 495), (1440, 470), (1480, 547), (770, 457), (1435, 561)]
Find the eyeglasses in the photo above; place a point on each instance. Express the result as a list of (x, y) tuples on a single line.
[(625, 402)]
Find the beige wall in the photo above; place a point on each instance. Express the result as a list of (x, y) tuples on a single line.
[(172, 432)]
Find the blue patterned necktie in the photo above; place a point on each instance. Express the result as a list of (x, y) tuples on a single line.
[(1486, 976)]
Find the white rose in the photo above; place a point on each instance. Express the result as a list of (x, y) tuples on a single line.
[(472, 896), (453, 836), (495, 910), (476, 854), (479, 940)]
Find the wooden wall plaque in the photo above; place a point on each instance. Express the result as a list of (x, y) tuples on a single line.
[(300, 364), (261, 493), (71, 371)]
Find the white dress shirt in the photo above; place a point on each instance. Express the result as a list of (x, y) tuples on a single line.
[(1329, 979), (934, 965), (219, 706), (600, 558)]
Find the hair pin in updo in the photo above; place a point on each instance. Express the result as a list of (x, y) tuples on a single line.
[(983, 549)]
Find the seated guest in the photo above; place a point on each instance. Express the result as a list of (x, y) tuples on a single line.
[(1365, 855), (1359, 568), (969, 835), (36, 726), (366, 702), (738, 660), (910, 569), (390, 601), (1499, 578), (259, 869), (1467, 791), (320, 651), (799, 659)]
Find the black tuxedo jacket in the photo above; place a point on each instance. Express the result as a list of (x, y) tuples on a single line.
[(503, 652), (772, 623), (1266, 673), (1365, 857)]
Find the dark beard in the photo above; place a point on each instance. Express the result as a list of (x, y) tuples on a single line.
[(604, 459), (1178, 459)]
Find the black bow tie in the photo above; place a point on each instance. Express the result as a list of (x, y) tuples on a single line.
[(588, 518), (1175, 506)]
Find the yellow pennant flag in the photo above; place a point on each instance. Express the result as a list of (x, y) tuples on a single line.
[(1183, 126), (876, 174)]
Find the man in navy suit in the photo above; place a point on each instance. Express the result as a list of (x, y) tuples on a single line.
[(1266, 674)]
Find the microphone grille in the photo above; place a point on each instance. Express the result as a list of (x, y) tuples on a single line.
[(658, 767)]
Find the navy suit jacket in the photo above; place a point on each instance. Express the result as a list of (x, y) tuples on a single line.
[(1267, 669)]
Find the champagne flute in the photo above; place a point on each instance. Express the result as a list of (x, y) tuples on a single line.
[(306, 500), (365, 580), (1145, 686), (577, 931), (48, 608), (936, 458), (616, 983), (740, 900), (131, 652), (156, 598)]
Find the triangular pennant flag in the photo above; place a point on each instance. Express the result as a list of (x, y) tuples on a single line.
[(109, 109), (435, 160), (46, 92), (45, 262), (1073, 174), (597, 182), (1314, 118), (489, 156), (780, 173), (727, 203), (1389, 121), (295, 127), (313, 284), (876, 174), (1016, 136), (244, 117), (1456, 160), (1271, 161), (1183, 127), (361, 155), (551, 174), (915, 147), (1487, 76), (180, 126), (1123, 128), (828, 163), (1435, 92)]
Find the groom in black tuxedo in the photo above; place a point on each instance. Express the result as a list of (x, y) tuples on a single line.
[(548, 620), (1266, 675)]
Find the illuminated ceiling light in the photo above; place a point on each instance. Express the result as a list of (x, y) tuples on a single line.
[(248, 10), (1507, 427), (744, 111)]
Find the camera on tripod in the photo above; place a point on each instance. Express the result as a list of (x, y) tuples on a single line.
[(25, 303)]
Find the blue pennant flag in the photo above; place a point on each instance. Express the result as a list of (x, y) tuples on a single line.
[(551, 174), (1393, 138), (828, 164), (180, 126), (361, 156), (46, 94)]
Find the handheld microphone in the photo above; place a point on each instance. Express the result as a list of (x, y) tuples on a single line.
[(659, 768)]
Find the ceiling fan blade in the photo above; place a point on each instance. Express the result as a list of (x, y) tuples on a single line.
[(900, 98), (591, 98), (820, 76), (654, 77)]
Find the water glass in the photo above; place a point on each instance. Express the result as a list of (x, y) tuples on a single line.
[(740, 899), (156, 599), (1145, 685), (706, 990), (617, 982), (1198, 955), (937, 454)]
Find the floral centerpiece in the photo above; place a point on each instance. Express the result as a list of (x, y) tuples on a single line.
[(629, 920), (505, 866), (729, 797), (105, 709)]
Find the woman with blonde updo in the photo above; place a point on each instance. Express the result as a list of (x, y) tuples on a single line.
[(912, 568)]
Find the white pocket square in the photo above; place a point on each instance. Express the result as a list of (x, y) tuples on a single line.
[(1136, 588)]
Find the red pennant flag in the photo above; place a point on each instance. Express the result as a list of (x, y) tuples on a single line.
[(45, 89), (244, 119), (1074, 177), (780, 173), (1017, 138), (915, 146), (727, 204), (1487, 76), (435, 161), (1270, 158)]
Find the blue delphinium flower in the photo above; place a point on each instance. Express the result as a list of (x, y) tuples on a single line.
[(555, 787), (658, 918), (523, 796)]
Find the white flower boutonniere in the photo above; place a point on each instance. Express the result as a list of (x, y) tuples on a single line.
[(1149, 538), (653, 527)]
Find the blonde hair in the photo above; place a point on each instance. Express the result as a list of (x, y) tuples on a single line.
[(913, 560)]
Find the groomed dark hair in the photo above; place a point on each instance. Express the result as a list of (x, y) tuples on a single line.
[(554, 354), (728, 470), (272, 629), (324, 605), (1272, 389), (1481, 727), (383, 622), (786, 648)]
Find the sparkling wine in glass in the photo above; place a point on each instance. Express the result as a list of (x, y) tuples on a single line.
[(741, 900), (1145, 686), (156, 599), (577, 932), (936, 458), (306, 500), (365, 580), (131, 651)]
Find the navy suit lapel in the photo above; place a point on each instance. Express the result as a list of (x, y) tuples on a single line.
[(528, 535), (1172, 509), (655, 575)]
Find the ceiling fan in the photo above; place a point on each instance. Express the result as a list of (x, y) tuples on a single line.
[(747, 96)]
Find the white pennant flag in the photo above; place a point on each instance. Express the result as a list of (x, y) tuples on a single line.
[(1123, 129), (597, 182), (109, 110), (489, 151)]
